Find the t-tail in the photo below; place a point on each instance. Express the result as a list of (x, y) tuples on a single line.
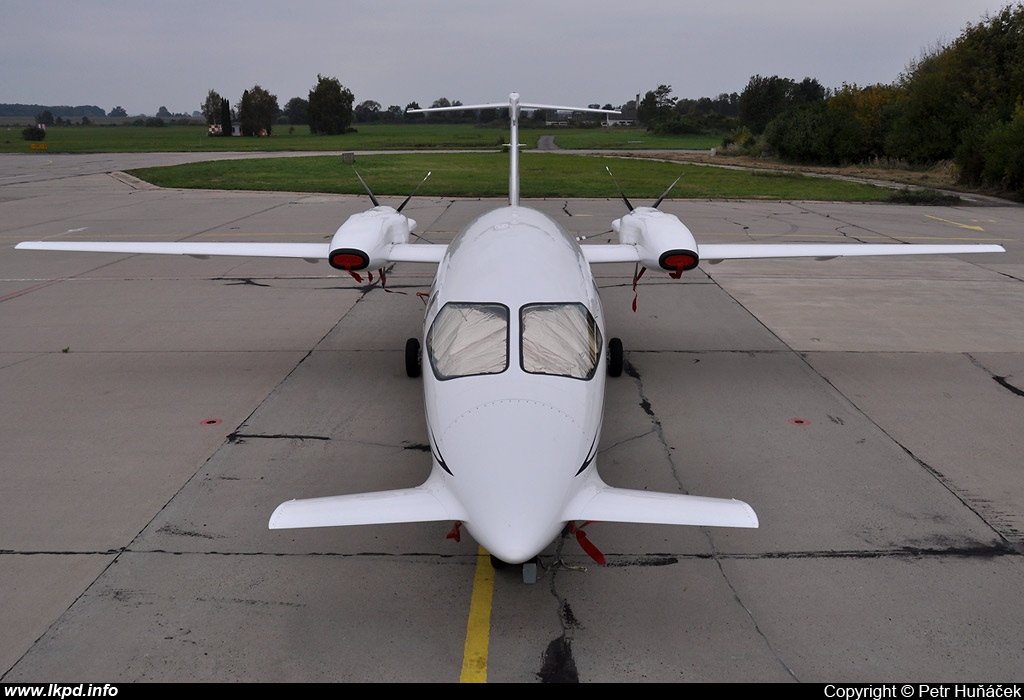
[(514, 107)]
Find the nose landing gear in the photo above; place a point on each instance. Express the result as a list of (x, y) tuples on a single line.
[(529, 568)]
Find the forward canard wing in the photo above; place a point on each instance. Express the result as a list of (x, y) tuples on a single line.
[(425, 503)]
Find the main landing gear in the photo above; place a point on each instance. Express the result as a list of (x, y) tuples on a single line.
[(413, 358), (615, 357)]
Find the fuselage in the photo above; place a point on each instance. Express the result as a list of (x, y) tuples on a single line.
[(513, 376)]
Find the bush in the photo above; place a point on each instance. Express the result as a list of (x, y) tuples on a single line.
[(814, 133), (1003, 153), (33, 133)]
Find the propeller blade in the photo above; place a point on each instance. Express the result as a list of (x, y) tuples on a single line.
[(366, 187), (665, 193), (402, 205), (621, 193)]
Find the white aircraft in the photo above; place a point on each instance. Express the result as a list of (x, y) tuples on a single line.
[(515, 365)]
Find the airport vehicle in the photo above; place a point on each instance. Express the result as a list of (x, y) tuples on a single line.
[(514, 365)]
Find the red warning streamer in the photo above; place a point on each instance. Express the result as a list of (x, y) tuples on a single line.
[(586, 544)]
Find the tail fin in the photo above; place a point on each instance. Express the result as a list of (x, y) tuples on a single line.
[(514, 106)]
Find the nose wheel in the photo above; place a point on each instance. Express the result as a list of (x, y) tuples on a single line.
[(529, 568)]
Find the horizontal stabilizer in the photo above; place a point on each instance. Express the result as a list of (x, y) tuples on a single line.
[(416, 505), (608, 504)]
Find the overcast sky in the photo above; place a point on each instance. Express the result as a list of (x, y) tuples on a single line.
[(143, 55)]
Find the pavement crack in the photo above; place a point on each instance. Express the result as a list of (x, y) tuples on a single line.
[(237, 437), (1001, 381), (236, 281), (645, 404)]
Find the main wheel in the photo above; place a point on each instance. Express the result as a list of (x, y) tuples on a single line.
[(412, 357), (615, 357)]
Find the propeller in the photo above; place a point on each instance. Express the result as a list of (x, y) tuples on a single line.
[(619, 188), (402, 205), (626, 200), (366, 187), (639, 271), (374, 199)]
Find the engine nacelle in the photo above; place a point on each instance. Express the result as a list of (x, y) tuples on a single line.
[(363, 241), (662, 240)]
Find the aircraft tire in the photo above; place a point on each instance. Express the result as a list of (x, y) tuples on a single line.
[(412, 358), (615, 357)]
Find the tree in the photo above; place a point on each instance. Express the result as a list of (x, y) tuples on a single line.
[(211, 108), (119, 111), (762, 100), (297, 111), (257, 112), (45, 118), (330, 107), (656, 106), (368, 111), (871, 106), (225, 117), (164, 112)]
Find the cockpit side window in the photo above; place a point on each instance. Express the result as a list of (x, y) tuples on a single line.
[(467, 339), (559, 339)]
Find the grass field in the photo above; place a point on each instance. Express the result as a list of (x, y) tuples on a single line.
[(140, 139), (486, 175), (454, 174)]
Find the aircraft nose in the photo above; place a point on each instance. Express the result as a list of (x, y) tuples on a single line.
[(514, 462)]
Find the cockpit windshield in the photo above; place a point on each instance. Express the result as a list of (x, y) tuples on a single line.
[(467, 339), (559, 339)]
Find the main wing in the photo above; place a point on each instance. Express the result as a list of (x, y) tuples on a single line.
[(367, 240), (659, 240), (717, 252), (312, 252)]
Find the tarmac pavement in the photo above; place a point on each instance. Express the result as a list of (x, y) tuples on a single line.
[(154, 411)]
